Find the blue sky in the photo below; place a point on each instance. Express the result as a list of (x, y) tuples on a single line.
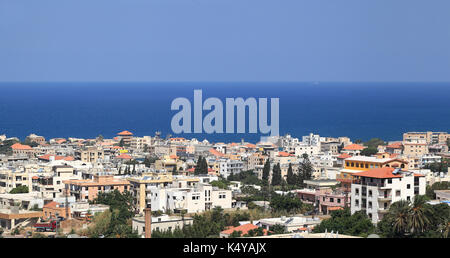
[(225, 40)]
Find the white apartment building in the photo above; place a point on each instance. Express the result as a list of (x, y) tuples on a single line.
[(429, 159), (138, 143), (193, 200), (311, 139), (307, 149), (230, 167), (373, 191)]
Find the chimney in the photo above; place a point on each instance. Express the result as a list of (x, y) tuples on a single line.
[(148, 222)]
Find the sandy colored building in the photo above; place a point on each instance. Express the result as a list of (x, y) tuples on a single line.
[(89, 189)]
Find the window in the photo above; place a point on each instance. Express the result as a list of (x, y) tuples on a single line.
[(408, 186), (397, 193), (338, 200), (408, 198), (357, 191), (390, 181), (370, 205), (331, 199), (370, 193)]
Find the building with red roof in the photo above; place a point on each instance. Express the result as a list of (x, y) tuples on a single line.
[(125, 137), (243, 228), (49, 157), (21, 149), (373, 191), (124, 156)]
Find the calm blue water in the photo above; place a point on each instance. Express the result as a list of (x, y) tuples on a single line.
[(357, 110)]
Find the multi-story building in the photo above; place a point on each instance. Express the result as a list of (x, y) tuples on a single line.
[(125, 137), (353, 149), (374, 190), (192, 200), (230, 167), (36, 138), (142, 187), (21, 149), (363, 163), (91, 154), (139, 143), (414, 149), (426, 137), (88, 189)]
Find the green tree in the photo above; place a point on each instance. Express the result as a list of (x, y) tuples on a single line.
[(343, 222), (369, 151), (278, 229), (199, 168), (222, 184), (374, 143), (266, 172), (420, 215), (436, 186), (19, 189), (235, 234), (290, 176), (276, 175), (304, 171)]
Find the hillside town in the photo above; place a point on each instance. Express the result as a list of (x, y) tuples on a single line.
[(285, 187)]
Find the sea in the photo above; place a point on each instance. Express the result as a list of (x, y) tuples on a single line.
[(356, 110)]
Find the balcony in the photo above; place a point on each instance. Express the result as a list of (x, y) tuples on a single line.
[(385, 198), (383, 211)]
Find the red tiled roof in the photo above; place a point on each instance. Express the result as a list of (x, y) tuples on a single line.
[(335, 208), (385, 172), (419, 175), (243, 228), (173, 156), (395, 145), (284, 154), (344, 156), (51, 204), (250, 145), (125, 133), (393, 155), (216, 153), (124, 156), (47, 157), (18, 146), (354, 147)]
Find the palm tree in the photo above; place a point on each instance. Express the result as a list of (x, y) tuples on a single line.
[(399, 211), (420, 214)]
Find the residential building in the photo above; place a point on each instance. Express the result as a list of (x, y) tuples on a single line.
[(84, 189), (374, 190)]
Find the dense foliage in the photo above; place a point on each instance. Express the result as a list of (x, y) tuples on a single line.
[(20, 189), (117, 221), (208, 224), (202, 166), (369, 151), (416, 219), (436, 186), (439, 166), (343, 222), (374, 143), (245, 177)]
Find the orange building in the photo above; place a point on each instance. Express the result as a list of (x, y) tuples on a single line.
[(125, 136), (89, 189), (363, 163), (54, 210)]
